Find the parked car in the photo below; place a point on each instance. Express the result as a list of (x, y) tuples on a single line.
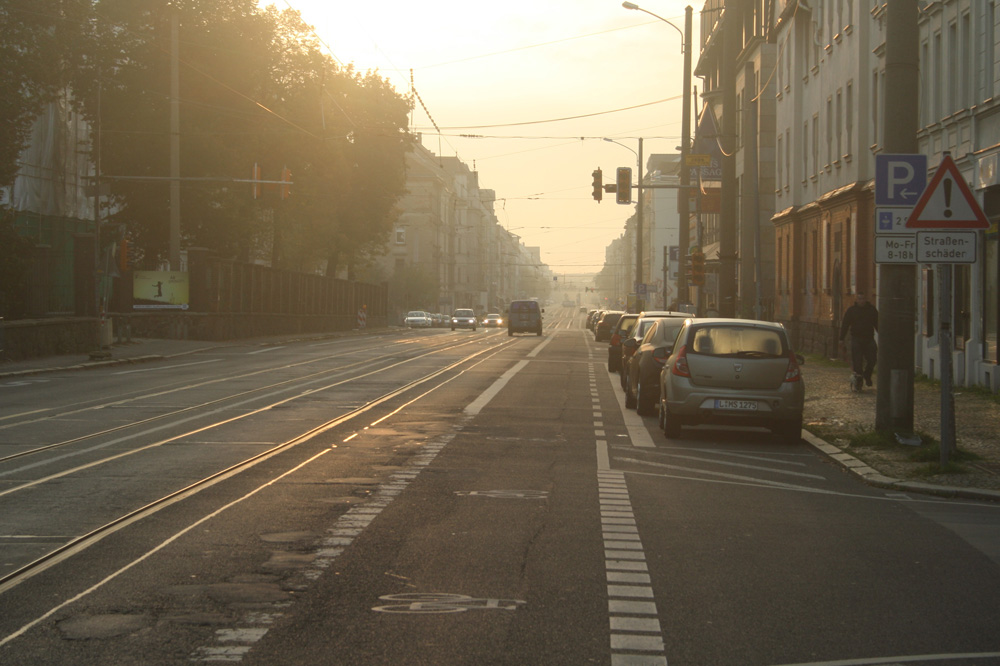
[(621, 331), (592, 317), (524, 317), (602, 329), (642, 391), (492, 321), (739, 372), (418, 319), (631, 343), (463, 318)]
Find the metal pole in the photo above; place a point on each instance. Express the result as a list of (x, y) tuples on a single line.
[(684, 204), (728, 223), (175, 145), (945, 347), (638, 236), (898, 282)]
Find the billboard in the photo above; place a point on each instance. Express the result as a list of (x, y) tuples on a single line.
[(159, 290)]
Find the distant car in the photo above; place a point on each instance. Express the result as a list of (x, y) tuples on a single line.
[(524, 317), (463, 318), (602, 329), (621, 332), (642, 390), (592, 318), (493, 321), (734, 372), (418, 319)]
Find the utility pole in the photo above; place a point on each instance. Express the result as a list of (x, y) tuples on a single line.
[(638, 235), (897, 282), (731, 46), (684, 200), (175, 144)]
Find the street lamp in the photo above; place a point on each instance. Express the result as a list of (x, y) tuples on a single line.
[(683, 209), (638, 215)]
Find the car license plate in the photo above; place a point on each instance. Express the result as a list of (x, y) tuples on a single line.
[(738, 405)]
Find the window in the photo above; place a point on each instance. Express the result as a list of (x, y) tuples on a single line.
[(829, 130), (937, 80), (805, 151), (988, 50), (815, 146), (967, 65), (400, 236), (840, 126), (779, 166), (850, 117), (876, 119), (957, 66)]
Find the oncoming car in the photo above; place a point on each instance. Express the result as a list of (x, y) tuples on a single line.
[(463, 318), (493, 321), (733, 372), (418, 319)]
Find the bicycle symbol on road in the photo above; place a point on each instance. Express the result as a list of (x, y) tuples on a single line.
[(439, 602), (504, 494)]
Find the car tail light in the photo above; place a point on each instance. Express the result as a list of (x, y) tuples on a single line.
[(615, 340), (793, 373), (681, 364)]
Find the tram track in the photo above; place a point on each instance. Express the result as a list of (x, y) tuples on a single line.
[(84, 541), (75, 411)]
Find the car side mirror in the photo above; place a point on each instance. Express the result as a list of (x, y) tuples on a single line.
[(631, 343)]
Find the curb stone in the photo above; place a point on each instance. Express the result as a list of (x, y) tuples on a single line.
[(875, 478)]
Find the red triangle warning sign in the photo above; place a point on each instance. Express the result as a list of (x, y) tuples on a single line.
[(947, 202)]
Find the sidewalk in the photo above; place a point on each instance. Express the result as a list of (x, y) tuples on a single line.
[(832, 415)]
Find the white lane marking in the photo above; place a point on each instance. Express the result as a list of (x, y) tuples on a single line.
[(534, 352), (603, 459), (634, 423), (628, 580), (724, 475), (716, 461), (167, 367), (484, 398), (265, 350)]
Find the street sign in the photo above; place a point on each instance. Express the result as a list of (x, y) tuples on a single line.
[(899, 179), (947, 202), (947, 247), (895, 250), (892, 220), (698, 160)]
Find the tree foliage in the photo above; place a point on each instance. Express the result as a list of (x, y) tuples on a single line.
[(40, 40), (255, 87)]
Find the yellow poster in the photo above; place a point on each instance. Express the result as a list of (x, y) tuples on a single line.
[(159, 290)]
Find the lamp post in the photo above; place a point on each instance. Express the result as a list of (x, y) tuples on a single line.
[(684, 201), (638, 218)]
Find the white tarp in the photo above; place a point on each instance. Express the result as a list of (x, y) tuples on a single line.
[(55, 167)]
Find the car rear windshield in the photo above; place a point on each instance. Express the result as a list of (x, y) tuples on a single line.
[(463, 313), (415, 313), (742, 341), (524, 306)]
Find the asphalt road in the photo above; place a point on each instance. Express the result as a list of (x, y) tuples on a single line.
[(508, 510)]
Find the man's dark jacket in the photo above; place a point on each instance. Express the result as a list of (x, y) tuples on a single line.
[(860, 320)]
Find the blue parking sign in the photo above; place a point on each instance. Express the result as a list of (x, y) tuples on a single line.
[(900, 179), (885, 220)]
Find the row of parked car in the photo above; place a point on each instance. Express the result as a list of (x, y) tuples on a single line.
[(711, 371)]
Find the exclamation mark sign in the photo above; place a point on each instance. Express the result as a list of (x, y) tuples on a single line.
[(947, 196)]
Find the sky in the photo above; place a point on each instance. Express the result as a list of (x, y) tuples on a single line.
[(501, 70)]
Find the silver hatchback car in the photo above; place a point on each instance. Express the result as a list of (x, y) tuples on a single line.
[(739, 372)]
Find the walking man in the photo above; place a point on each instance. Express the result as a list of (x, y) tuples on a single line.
[(861, 319)]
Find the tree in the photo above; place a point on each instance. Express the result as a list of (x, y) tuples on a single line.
[(41, 39)]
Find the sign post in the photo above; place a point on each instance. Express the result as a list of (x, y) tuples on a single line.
[(949, 208)]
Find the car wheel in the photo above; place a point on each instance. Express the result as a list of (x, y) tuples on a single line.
[(629, 398), (671, 426), (788, 433), (623, 376), (643, 403)]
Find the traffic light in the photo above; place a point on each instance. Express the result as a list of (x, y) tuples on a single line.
[(698, 267), (623, 182), (598, 185)]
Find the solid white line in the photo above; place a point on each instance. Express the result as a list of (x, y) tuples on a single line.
[(911, 659), (484, 398), (265, 350), (603, 460), (634, 423)]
